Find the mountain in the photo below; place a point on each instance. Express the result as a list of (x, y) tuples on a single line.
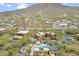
[(40, 15)]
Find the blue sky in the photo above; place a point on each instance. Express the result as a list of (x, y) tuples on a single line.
[(72, 4), (14, 6)]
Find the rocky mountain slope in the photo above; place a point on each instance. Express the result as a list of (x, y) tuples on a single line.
[(40, 15)]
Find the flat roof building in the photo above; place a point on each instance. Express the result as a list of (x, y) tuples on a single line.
[(23, 32)]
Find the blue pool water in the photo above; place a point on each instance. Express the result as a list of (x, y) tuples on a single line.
[(42, 46)]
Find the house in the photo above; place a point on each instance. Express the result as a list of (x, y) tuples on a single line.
[(19, 34), (2, 30), (38, 36), (59, 25), (22, 32), (36, 52), (17, 37), (41, 49), (42, 35), (73, 27)]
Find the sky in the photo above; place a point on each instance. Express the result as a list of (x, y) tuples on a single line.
[(15, 6), (72, 4)]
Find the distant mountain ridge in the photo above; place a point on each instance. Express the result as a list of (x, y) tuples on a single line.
[(43, 7), (39, 14)]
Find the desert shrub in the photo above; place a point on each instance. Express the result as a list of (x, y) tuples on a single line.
[(69, 49), (76, 51), (3, 53), (9, 52), (60, 45), (60, 53), (5, 36), (23, 41), (28, 50), (59, 33), (46, 40), (4, 42), (70, 31), (13, 51), (12, 31)]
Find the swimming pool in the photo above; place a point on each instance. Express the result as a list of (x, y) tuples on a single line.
[(42, 46)]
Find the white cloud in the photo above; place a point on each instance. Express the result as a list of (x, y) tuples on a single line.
[(8, 5), (3, 4), (19, 3), (21, 6)]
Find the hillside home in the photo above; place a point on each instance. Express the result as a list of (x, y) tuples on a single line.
[(22, 32), (19, 34), (41, 49), (43, 35), (2, 30), (17, 37), (59, 25)]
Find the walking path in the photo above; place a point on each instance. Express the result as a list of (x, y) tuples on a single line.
[(22, 51), (32, 49)]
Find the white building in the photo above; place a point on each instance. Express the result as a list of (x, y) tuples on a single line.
[(59, 25)]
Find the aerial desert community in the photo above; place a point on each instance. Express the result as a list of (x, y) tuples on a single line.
[(40, 30)]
